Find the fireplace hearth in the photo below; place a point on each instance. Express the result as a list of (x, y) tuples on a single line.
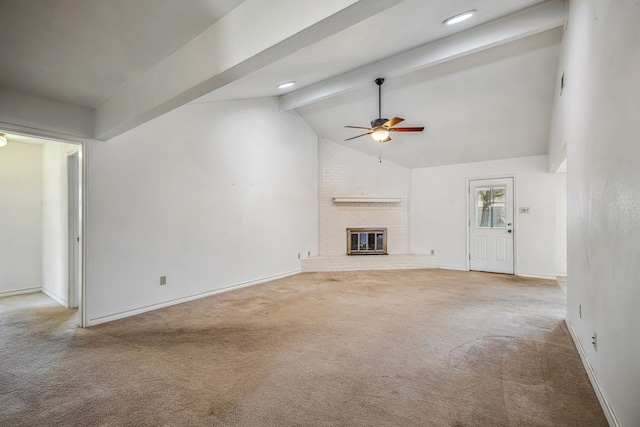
[(366, 241)]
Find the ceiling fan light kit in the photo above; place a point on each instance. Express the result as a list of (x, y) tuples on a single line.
[(381, 128), (3, 140), (380, 135)]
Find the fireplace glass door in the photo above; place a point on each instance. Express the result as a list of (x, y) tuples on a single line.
[(364, 241)]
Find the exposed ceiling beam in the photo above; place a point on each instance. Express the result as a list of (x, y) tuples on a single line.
[(533, 20), (255, 34)]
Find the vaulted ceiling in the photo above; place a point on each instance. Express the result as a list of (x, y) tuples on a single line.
[(483, 88), (82, 51)]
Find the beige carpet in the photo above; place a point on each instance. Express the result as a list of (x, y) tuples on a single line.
[(385, 348)]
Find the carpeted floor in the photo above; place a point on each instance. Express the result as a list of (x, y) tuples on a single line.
[(384, 348)]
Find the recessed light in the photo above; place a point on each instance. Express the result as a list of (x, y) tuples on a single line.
[(459, 17), (285, 85)]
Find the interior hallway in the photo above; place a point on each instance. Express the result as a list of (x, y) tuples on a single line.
[(412, 347)]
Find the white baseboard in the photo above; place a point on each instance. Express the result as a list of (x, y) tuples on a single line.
[(604, 402), (19, 292), (55, 297), (140, 310), (561, 274), (532, 276), (536, 276), (453, 267)]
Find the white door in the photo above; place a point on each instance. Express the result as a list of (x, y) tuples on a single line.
[(490, 225)]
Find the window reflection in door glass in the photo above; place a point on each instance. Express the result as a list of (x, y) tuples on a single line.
[(491, 205)]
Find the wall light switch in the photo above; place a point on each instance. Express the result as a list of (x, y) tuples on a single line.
[(163, 280)]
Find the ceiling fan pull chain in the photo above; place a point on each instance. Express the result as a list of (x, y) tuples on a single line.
[(380, 151)]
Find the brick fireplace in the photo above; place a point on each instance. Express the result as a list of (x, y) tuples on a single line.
[(359, 193)]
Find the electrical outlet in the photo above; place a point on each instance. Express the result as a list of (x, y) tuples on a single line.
[(433, 251), (594, 341), (298, 255), (163, 280), (308, 254)]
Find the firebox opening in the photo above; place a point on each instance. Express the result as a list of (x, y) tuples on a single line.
[(366, 241)]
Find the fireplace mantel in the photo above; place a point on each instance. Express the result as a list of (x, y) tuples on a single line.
[(366, 200)]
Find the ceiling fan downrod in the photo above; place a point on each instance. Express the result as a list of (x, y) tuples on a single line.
[(379, 121)]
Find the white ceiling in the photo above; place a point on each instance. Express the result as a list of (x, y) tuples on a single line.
[(490, 105), (409, 24), (486, 103), (82, 51)]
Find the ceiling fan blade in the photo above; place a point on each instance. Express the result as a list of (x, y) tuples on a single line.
[(386, 140), (354, 137), (394, 121), (357, 127), (412, 129)]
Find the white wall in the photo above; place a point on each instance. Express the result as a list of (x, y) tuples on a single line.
[(601, 61), (561, 224), (439, 212), (210, 195), (345, 172), (20, 219), (55, 259)]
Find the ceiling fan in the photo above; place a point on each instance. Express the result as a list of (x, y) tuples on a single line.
[(381, 127)]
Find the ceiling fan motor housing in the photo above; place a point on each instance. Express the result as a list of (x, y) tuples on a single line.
[(378, 122)]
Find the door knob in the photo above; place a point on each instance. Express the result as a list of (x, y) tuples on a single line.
[(509, 231)]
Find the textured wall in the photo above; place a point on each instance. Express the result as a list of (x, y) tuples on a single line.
[(347, 173), (439, 212), (210, 195), (601, 63)]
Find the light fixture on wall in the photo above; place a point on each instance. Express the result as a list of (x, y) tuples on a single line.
[(3, 140), (459, 17)]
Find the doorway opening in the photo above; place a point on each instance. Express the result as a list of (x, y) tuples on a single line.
[(47, 219)]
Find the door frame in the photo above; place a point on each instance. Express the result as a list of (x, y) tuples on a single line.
[(467, 194), (74, 228), (84, 175)]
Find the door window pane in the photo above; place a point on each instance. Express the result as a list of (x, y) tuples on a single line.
[(491, 205), (499, 207)]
